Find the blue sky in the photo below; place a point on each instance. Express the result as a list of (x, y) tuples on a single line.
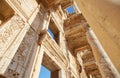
[(70, 9), (44, 72), (50, 32)]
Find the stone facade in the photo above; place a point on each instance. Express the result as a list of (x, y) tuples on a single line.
[(26, 43)]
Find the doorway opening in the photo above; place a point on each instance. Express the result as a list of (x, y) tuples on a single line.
[(49, 69), (44, 72)]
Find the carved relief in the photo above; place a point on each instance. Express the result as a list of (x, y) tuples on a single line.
[(9, 30), (22, 58)]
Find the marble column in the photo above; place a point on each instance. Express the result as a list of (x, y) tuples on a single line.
[(106, 67)]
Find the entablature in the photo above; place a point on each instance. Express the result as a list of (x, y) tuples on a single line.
[(66, 3), (75, 19), (50, 3), (88, 57), (93, 70)]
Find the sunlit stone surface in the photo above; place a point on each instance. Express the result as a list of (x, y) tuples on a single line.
[(68, 41)]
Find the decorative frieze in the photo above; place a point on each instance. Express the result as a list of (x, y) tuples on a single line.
[(9, 31)]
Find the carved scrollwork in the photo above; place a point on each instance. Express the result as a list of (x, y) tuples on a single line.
[(9, 30)]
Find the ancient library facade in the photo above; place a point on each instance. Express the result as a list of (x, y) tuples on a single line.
[(71, 38)]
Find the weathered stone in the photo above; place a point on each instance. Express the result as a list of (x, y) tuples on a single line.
[(26, 41)]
